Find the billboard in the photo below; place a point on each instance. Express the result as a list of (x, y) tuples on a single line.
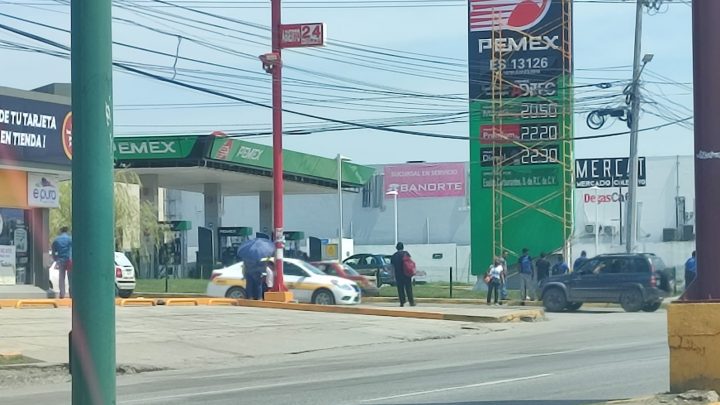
[(421, 180), (32, 131), (607, 172), (520, 88)]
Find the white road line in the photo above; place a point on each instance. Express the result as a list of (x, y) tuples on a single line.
[(203, 393), (461, 387)]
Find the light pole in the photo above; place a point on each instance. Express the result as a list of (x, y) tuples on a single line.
[(340, 158), (394, 193), (597, 228)]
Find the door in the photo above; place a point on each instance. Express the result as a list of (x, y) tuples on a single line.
[(612, 277), (583, 284), (296, 282)]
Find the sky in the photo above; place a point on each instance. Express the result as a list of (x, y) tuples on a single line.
[(386, 63)]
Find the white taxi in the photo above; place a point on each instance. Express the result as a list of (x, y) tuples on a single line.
[(124, 277), (307, 283)]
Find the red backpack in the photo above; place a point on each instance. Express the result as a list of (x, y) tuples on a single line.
[(408, 266)]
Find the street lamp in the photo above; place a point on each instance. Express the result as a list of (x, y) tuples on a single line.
[(394, 193), (597, 230), (340, 158)]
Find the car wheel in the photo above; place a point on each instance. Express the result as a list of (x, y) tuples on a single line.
[(323, 297), (125, 293), (554, 300), (237, 293), (631, 300), (652, 307), (573, 306)]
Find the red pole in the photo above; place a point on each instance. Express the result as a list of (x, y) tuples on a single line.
[(279, 284), (706, 58)]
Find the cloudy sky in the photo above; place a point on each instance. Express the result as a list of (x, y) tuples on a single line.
[(398, 63)]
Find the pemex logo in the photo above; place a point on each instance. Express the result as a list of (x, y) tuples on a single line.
[(507, 14)]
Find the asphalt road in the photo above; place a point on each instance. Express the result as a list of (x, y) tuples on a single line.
[(575, 358)]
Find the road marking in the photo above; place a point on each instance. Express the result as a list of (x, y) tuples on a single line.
[(204, 393), (461, 387)]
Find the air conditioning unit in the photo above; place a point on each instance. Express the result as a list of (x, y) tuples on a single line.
[(590, 229), (609, 230)]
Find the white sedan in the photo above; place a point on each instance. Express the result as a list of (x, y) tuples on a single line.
[(307, 283), (124, 277)]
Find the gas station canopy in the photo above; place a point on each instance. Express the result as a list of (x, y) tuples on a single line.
[(243, 168)]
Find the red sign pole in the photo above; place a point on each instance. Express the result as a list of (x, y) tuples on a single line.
[(278, 191)]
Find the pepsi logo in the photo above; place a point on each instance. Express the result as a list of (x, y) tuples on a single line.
[(486, 15)]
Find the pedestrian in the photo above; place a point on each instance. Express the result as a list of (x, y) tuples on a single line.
[(402, 280), (503, 285), (253, 273), (690, 270), (62, 255), (527, 285), (543, 268), (561, 267), (494, 276), (580, 261)]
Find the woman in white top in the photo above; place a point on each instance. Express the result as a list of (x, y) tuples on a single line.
[(495, 274)]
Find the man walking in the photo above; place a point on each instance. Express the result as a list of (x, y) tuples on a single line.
[(62, 254), (402, 280), (690, 270), (543, 268), (527, 286)]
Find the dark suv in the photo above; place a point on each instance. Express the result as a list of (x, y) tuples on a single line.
[(377, 266), (637, 281)]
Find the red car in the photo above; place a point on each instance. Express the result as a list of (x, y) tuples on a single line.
[(333, 268)]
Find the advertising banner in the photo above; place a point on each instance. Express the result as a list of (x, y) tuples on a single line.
[(607, 172), (32, 131), (43, 190), (7, 265), (420, 180)]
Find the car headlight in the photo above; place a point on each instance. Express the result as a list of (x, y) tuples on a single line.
[(342, 286)]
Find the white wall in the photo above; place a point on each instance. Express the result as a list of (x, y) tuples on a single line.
[(436, 269)]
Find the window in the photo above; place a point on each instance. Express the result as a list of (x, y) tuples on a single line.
[(330, 270), (350, 271), (352, 262), (290, 269)]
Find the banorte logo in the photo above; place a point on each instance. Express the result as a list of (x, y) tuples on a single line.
[(507, 14), (67, 135)]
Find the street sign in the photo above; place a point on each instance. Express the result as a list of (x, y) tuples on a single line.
[(302, 35)]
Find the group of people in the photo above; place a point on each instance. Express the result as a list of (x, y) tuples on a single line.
[(531, 272)]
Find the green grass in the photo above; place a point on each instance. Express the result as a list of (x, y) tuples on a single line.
[(11, 360), (175, 285), (441, 290)]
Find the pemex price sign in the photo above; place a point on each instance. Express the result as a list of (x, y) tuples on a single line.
[(520, 67)]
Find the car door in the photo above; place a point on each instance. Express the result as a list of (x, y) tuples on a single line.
[(583, 284), (296, 281), (613, 277)]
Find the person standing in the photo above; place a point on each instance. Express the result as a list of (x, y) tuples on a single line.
[(402, 280), (495, 274), (527, 286), (543, 268), (503, 281), (62, 255), (580, 261), (253, 272), (690, 270), (560, 267)]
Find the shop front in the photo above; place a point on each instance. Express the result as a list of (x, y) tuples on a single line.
[(35, 150)]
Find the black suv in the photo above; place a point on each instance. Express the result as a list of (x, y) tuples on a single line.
[(636, 281)]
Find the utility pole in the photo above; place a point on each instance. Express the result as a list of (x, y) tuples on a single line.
[(631, 215), (706, 64), (93, 282)]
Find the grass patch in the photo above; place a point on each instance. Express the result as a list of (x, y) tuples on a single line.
[(175, 285), (20, 359)]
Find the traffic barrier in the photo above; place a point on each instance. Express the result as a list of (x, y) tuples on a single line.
[(36, 303), (222, 301), (136, 302), (181, 301)]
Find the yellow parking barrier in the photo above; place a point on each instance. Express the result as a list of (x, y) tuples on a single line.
[(36, 303), (125, 302), (222, 301), (181, 301)]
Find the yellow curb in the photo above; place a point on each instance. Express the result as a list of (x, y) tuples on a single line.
[(36, 303), (181, 301), (125, 302), (222, 301), (10, 355)]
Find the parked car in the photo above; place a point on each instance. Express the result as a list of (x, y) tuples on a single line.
[(370, 265), (342, 270), (307, 283), (635, 281), (420, 276), (124, 277)]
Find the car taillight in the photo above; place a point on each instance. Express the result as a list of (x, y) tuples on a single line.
[(653, 281), (118, 272)]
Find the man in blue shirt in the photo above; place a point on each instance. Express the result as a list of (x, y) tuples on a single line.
[(62, 254), (690, 270), (527, 286), (580, 261)]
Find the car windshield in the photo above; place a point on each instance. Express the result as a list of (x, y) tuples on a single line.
[(386, 259), (309, 268), (350, 271)]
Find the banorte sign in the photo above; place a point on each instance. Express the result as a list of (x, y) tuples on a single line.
[(420, 180)]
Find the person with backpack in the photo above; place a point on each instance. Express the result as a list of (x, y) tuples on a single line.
[(404, 268)]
